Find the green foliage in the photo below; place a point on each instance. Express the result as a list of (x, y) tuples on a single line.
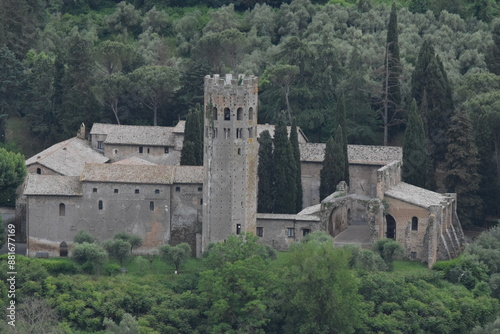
[(118, 249), (334, 166), (192, 149), (284, 170), (414, 169), (318, 236), (12, 173), (462, 166), (134, 240), (389, 250), (128, 325), (83, 236), (90, 256), (237, 248), (265, 173), (12, 80), (57, 266), (294, 142), (365, 260), (176, 255), (318, 293)]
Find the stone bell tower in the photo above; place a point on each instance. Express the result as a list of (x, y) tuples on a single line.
[(230, 157)]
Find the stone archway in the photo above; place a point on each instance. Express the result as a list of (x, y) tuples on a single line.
[(391, 227), (63, 249)]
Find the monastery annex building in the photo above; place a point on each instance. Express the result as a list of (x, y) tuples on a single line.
[(117, 178)]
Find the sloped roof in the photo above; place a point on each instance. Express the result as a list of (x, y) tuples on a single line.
[(358, 154), (280, 216), (270, 127), (133, 161), (180, 127), (415, 195), (68, 157), (189, 174), (135, 134), (52, 185)]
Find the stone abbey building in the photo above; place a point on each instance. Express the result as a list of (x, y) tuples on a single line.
[(128, 178)]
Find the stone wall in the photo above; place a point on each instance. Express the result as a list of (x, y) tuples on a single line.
[(387, 177), (160, 155)]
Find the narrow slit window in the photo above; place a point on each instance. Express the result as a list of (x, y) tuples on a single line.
[(151, 206), (62, 210), (414, 224), (101, 205)]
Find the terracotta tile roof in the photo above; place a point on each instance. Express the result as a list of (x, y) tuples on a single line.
[(135, 134), (358, 154), (52, 185), (133, 161), (415, 195), (68, 157), (189, 174)]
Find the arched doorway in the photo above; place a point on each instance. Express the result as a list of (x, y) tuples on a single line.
[(391, 227), (63, 249)]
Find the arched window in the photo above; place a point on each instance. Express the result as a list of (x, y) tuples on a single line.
[(151, 206), (63, 249), (239, 114), (250, 113), (227, 114), (62, 210), (101, 205), (414, 224)]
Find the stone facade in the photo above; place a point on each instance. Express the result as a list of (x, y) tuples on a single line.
[(128, 178)]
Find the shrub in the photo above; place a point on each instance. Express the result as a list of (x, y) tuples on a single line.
[(83, 236), (112, 269)]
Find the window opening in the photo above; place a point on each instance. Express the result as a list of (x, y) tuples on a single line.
[(39, 171), (239, 114), (141, 149), (101, 205), (227, 114), (151, 206), (291, 232), (250, 113), (62, 210), (260, 231), (414, 224), (305, 231), (238, 228)]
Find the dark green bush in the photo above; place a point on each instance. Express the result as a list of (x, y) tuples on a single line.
[(112, 269)]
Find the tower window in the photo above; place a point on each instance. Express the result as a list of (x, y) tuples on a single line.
[(214, 112), (250, 132), (414, 224), (260, 231), (239, 151), (238, 228), (62, 210), (239, 114), (290, 232), (250, 113), (100, 205), (227, 114), (151, 206)]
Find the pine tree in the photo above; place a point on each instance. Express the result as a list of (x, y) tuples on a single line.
[(415, 166), (393, 68), (333, 165), (341, 121), (462, 165), (294, 141), (492, 58), (265, 196), (284, 175)]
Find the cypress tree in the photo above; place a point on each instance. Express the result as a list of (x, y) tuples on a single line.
[(284, 175), (192, 149), (462, 166), (492, 57), (294, 141), (265, 195), (414, 168), (393, 68), (333, 165), (341, 121)]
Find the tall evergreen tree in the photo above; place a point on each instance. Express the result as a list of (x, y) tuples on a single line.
[(193, 153), (284, 175), (265, 195), (333, 165), (341, 121), (415, 166), (429, 81), (462, 166), (294, 141), (492, 58), (391, 86)]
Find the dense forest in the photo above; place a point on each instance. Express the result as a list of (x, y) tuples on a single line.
[(143, 62)]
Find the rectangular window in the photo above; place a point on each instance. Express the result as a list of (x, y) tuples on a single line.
[(200, 188), (137, 191), (116, 191), (177, 189), (260, 231), (141, 149), (305, 231), (290, 232), (157, 191), (94, 190), (238, 228), (99, 145), (166, 149)]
